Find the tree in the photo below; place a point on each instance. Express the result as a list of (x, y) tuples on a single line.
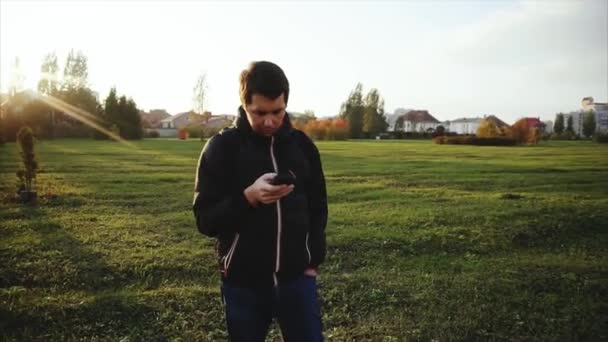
[(111, 106), (81, 98), (534, 136), (327, 129), (570, 125), (75, 91), (134, 127), (111, 113), (49, 117), (487, 129), (352, 111), (589, 124), (27, 173), (520, 131), (2, 140), (300, 121), (399, 123), (102, 121), (199, 98), (558, 127), (17, 78), (374, 121), (24, 109), (48, 83), (309, 114), (440, 130), (122, 121), (75, 72), (542, 128), (122, 114)]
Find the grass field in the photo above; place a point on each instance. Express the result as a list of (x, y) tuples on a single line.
[(425, 242)]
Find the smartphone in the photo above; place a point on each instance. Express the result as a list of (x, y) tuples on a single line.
[(283, 178)]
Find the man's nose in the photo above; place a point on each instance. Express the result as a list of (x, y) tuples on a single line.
[(268, 122)]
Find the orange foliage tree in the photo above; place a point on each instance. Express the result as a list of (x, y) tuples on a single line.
[(488, 129), (523, 133), (325, 129)]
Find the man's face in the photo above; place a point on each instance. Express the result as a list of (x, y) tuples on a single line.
[(265, 115)]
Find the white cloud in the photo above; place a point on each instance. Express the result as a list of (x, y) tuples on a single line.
[(534, 59)]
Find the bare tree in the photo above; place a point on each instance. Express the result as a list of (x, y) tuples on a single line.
[(199, 98)]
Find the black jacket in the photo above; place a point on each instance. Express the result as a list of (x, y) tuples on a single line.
[(257, 246)]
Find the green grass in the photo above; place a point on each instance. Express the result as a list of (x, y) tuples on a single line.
[(425, 242)]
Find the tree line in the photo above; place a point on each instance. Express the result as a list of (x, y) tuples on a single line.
[(48, 112), (566, 130), (359, 117)]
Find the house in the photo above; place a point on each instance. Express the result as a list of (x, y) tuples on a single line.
[(217, 122), (176, 121), (577, 121), (534, 122), (465, 125), (496, 121), (401, 111), (153, 118), (169, 126), (548, 126), (445, 125), (600, 111), (391, 120), (542, 126), (416, 121)]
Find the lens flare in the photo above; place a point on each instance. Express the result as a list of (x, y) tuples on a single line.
[(82, 116)]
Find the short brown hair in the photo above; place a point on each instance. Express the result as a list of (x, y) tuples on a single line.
[(263, 78)]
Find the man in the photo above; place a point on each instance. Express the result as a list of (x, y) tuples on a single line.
[(270, 237)]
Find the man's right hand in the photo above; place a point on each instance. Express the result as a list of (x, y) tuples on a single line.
[(261, 191)]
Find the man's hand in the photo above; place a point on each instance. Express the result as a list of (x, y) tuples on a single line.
[(311, 272), (261, 191)]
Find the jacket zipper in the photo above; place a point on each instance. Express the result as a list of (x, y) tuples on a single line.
[(308, 249), (228, 257), (276, 170)]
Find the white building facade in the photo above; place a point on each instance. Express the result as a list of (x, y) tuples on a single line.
[(464, 125)]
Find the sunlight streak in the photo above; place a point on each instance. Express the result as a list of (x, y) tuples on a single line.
[(82, 116)]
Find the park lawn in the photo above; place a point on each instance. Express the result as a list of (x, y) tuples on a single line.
[(425, 242)]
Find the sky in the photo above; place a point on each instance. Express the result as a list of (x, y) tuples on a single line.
[(453, 58)]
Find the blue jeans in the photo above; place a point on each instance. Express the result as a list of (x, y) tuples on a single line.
[(295, 303)]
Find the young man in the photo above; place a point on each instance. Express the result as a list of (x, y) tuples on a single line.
[(270, 236)]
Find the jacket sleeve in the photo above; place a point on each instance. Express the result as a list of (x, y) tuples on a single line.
[(218, 208), (317, 203)]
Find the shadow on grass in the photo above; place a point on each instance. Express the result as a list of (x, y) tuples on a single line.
[(108, 315), (49, 256), (52, 257)]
